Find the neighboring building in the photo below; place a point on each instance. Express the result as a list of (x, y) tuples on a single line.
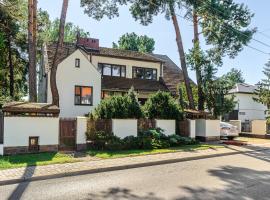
[(246, 108), (88, 73)]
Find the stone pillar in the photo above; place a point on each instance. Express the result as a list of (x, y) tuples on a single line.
[(81, 133), (207, 130)]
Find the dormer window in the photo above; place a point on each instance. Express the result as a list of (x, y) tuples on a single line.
[(77, 62), (144, 73), (112, 70)]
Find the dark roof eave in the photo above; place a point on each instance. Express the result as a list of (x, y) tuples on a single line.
[(128, 58), (26, 110), (126, 89)]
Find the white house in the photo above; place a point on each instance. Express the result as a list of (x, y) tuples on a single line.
[(88, 73), (246, 108)]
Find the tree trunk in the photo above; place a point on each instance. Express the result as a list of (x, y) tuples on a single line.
[(11, 69), (182, 58), (32, 54), (197, 68), (59, 49)]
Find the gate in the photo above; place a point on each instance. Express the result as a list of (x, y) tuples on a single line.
[(182, 128), (67, 134), (1, 127), (246, 126)]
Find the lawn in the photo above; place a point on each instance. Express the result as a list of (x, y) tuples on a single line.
[(127, 153), (15, 161)]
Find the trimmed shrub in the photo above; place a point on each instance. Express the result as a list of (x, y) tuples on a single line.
[(177, 140), (114, 144), (150, 139), (162, 105), (121, 107), (98, 139), (154, 139), (131, 142)]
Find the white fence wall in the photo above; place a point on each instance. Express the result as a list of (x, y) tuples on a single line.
[(81, 130), (258, 127), (1, 149), (192, 128), (17, 130), (124, 127), (236, 123), (207, 128), (167, 125)]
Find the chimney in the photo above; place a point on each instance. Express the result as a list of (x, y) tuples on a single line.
[(88, 43)]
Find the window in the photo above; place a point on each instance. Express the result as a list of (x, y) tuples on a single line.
[(112, 70), (144, 73), (33, 144), (242, 113), (83, 95), (77, 62)]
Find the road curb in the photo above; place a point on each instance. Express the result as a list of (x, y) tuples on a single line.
[(123, 167)]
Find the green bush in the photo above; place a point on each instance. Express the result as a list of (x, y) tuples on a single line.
[(98, 135), (98, 139), (131, 142), (114, 144), (162, 105), (150, 139), (120, 107), (154, 139), (177, 140)]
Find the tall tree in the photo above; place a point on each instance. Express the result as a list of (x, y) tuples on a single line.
[(224, 27), (133, 42), (59, 49), (32, 23), (233, 77), (51, 33), (145, 10), (262, 93), (12, 50)]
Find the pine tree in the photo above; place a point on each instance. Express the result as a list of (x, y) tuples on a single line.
[(262, 93)]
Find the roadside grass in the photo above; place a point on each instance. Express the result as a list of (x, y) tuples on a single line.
[(15, 161), (38, 159), (140, 152)]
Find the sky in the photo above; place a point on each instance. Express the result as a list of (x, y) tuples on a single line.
[(250, 61)]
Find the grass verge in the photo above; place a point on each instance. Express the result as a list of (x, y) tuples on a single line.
[(128, 153), (15, 161)]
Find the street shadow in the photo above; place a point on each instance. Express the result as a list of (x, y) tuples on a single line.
[(31, 161), (21, 187), (261, 153), (121, 193), (240, 183)]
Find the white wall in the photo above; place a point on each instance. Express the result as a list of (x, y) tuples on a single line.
[(212, 128), (124, 127), (207, 128), (167, 125), (68, 76), (251, 110), (200, 127), (192, 128), (17, 130), (81, 130), (236, 123), (127, 62), (1, 149), (258, 127)]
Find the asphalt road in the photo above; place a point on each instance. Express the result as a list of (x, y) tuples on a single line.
[(237, 177)]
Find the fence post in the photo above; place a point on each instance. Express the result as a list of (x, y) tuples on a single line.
[(1, 127)]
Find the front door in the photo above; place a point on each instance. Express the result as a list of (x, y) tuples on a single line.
[(67, 135)]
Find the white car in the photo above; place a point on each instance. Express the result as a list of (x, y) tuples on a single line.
[(229, 131)]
